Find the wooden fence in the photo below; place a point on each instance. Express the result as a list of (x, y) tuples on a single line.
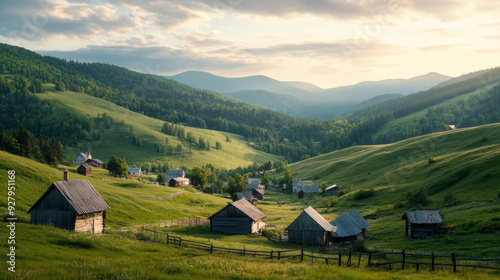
[(179, 222), (340, 258)]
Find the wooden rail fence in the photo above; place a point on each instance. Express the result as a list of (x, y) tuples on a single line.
[(179, 222), (339, 258)]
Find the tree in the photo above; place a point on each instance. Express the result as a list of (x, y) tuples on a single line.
[(117, 167), (265, 179), (160, 178), (199, 176), (417, 198), (60, 86), (323, 186), (287, 179), (236, 184)]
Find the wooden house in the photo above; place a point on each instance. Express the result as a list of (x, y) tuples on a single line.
[(299, 183), (350, 226), (84, 169), (258, 193), (310, 228), (238, 217), (310, 189), (82, 157), (175, 174), (331, 190), (71, 204), (134, 172), (94, 162), (245, 195), (420, 224), (178, 182)]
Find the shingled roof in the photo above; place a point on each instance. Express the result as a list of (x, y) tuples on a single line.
[(423, 217), (349, 224), (246, 195), (80, 194), (319, 219), (246, 207)]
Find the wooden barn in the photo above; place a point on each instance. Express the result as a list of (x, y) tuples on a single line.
[(350, 226), (178, 182), (246, 195), (238, 217), (71, 204), (258, 193), (331, 190), (84, 169), (421, 224), (94, 162), (310, 228)]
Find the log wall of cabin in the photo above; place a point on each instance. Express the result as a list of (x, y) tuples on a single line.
[(53, 210), (90, 223), (304, 230)]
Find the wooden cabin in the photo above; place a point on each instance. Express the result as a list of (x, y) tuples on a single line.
[(331, 190), (299, 183), (421, 224), (71, 204), (238, 217), (134, 171), (175, 174), (310, 228), (84, 169), (350, 226), (178, 182), (246, 195), (258, 193), (94, 162), (82, 157)]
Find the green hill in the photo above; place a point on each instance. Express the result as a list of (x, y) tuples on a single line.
[(117, 140)]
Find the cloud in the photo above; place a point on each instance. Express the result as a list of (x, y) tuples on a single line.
[(204, 40), (161, 60), (38, 20)]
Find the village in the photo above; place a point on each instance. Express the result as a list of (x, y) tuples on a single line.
[(74, 204)]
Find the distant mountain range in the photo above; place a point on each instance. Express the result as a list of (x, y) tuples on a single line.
[(301, 99)]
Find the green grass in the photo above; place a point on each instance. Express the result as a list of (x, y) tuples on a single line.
[(115, 140)]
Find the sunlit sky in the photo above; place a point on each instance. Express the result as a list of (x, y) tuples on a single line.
[(328, 43)]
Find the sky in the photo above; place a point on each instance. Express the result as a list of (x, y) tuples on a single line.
[(329, 43)]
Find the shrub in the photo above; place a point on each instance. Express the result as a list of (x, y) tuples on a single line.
[(271, 233), (449, 199), (358, 245), (417, 198), (364, 193), (431, 160)]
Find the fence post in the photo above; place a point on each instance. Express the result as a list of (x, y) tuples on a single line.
[(180, 242), (340, 259), (244, 250), (404, 259), (302, 254), (432, 261), (312, 257), (211, 248), (359, 260), (168, 238), (349, 259), (154, 233), (369, 258), (454, 260), (272, 251)]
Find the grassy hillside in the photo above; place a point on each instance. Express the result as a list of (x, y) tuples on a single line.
[(117, 141), (461, 180)]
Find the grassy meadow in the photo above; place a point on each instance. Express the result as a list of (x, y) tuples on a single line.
[(389, 170), (116, 139)]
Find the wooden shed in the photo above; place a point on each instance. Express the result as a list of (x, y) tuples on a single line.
[(71, 204), (350, 226), (258, 194), (84, 169), (310, 228), (246, 195), (421, 224), (331, 190), (238, 217), (94, 162), (178, 182)]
